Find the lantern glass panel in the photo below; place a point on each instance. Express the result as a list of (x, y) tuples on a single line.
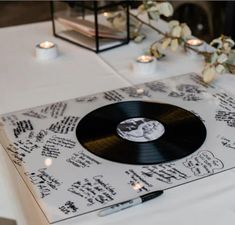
[(95, 25)]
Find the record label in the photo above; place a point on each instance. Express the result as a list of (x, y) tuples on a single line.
[(140, 129)]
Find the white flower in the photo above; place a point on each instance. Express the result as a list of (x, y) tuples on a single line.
[(226, 47), (154, 15), (208, 74), (186, 32), (222, 58), (153, 8), (223, 43), (150, 2), (230, 41), (174, 44), (166, 43), (141, 9), (166, 9), (158, 6), (176, 31), (173, 23), (218, 42), (220, 68)]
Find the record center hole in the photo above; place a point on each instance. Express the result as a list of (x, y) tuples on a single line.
[(140, 129)]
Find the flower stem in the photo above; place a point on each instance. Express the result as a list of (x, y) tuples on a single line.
[(205, 54), (148, 24)]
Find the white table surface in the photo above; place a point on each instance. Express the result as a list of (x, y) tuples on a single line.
[(27, 82)]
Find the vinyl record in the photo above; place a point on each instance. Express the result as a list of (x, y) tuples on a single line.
[(139, 132)]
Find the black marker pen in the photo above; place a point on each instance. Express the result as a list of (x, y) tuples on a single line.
[(127, 204)]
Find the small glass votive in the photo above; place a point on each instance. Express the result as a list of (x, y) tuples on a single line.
[(46, 50), (196, 44), (144, 65)]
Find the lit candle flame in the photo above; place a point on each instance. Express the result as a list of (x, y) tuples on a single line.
[(106, 14), (194, 42), (46, 44), (145, 59)]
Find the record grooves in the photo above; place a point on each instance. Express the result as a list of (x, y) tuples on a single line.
[(139, 132)]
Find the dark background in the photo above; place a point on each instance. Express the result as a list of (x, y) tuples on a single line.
[(207, 19)]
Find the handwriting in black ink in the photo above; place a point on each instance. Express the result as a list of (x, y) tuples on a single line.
[(55, 145), (157, 86), (10, 119), (69, 207), (133, 92), (82, 160), (55, 110), (44, 182), (94, 191), (22, 127), (226, 102), (87, 99), (20, 149), (64, 126), (34, 114), (203, 163), (228, 143), (189, 88), (166, 173), (224, 116), (113, 96), (137, 181)]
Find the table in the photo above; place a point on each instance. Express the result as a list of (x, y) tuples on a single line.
[(26, 82)]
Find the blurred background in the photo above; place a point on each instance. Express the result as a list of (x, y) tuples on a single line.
[(207, 19)]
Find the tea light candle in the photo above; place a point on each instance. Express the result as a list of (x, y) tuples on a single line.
[(195, 44), (46, 50), (144, 64)]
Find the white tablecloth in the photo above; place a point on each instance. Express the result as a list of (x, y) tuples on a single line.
[(27, 82)]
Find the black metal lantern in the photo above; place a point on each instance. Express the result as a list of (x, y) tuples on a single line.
[(95, 25)]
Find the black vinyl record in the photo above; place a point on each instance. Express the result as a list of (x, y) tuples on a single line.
[(139, 132)]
